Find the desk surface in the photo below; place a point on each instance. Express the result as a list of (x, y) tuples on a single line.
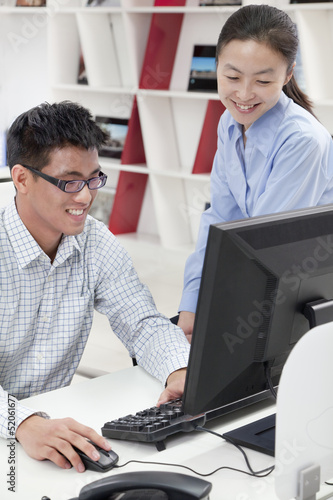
[(128, 391)]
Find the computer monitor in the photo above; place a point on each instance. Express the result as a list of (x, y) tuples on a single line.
[(258, 279)]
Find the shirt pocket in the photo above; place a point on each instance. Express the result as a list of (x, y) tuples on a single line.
[(7, 312), (74, 318), (8, 319)]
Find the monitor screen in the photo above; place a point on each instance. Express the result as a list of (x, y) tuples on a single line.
[(257, 278)]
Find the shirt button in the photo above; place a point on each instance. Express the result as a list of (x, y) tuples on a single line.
[(40, 357), (45, 318)]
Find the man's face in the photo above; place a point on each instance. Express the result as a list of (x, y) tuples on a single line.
[(48, 212)]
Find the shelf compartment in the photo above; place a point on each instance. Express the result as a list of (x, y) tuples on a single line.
[(131, 185), (208, 140), (102, 39), (127, 203), (197, 195), (168, 197)]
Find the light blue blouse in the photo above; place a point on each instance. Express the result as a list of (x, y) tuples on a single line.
[(287, 164)]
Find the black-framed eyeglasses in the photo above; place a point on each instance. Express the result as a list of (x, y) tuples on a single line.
[(71, 186)]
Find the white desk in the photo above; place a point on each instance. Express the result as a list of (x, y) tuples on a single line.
[(120, 393)]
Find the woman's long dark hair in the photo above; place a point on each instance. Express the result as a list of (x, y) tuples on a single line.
[(266, 24)]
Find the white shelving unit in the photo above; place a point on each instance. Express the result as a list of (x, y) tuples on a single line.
[(23, 55), (40, 50)]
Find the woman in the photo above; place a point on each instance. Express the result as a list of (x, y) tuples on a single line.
[(273, 154)]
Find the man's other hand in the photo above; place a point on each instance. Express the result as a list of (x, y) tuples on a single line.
[(53, 439)]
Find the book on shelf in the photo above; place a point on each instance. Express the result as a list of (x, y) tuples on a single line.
[(219, 3), (310, 1), (82, 74), (103, 203), (103, 3), (116, 129), (30, 3), (203, 69)]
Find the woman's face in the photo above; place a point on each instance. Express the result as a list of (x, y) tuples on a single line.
[(250, 77)]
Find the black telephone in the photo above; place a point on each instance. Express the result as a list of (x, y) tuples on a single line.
[(147, 485)]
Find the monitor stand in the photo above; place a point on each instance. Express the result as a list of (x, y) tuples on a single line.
[(318, 312), (258, 435)]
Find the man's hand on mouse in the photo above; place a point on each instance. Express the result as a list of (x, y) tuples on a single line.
[(53, 439), (175, 386)]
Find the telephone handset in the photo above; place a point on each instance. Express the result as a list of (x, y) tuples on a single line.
[(147, 485)]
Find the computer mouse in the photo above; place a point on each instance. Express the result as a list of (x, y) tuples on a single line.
[(107, 461)]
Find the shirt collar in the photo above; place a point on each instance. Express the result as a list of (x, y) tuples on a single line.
[(234, 128), (263, 130), (67, 246), (26, 247)]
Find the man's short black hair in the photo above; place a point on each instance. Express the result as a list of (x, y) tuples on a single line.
[(37, 132)]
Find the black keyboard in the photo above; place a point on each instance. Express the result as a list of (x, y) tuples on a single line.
[(154, 424)]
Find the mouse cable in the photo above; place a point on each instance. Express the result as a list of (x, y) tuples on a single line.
[(259, 473)]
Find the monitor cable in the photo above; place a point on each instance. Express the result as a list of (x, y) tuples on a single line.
[(260, 473), (250, 472), (267, 368)]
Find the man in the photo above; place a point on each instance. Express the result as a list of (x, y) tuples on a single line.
[(57, 265)]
